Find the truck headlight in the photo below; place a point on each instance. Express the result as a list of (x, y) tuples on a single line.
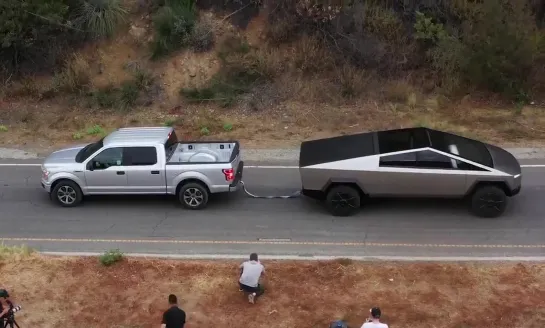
[(45, 174)]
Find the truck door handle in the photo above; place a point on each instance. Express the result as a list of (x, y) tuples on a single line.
[(154, 172), (120, 172)]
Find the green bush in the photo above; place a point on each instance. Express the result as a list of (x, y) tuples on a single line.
[(493, 50), (28, 31), (111, 257), (100, 18), (173, 24), (126, 95)]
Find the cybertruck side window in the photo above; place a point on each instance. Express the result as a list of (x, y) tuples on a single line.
[(399, 160), (428, 159)]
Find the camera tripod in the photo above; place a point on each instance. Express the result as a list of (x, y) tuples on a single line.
[(10, 321)]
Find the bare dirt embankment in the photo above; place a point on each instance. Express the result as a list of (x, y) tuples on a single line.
[(81, 292)]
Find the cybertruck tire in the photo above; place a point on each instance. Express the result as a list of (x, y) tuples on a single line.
[(66, 193), (343, 201), (488, 202), (193, 196)]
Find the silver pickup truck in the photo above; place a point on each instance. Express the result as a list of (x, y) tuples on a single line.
[(143, 160)]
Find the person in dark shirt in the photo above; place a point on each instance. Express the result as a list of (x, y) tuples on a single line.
[(174, 317)]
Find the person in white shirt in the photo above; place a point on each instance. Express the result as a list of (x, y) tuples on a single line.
[(374, 319), (251, 272)]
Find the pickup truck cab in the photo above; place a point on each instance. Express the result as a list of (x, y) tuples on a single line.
[(143, 160)]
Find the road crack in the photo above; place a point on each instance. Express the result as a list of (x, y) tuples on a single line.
[(158, 224)]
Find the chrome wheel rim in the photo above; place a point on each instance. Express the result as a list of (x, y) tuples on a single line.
[(343, 200), (66, 195), (193, 197)]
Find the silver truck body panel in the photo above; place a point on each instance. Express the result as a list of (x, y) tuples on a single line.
[(161, 177)]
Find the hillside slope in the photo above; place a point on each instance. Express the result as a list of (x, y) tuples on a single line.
[(273, 72)]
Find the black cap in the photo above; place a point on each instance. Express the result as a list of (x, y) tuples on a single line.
[(375, 312), (4, 293)]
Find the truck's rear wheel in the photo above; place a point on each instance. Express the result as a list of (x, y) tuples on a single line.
[(193, 196), (67, 193), (343, 201)]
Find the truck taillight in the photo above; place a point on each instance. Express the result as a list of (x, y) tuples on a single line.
[(229, 174)]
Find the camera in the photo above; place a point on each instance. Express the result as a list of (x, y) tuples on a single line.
[(15, 309)]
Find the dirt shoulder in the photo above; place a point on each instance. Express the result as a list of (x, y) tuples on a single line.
[(81, 292)]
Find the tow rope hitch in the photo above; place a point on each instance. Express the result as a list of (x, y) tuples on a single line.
[(294, 195)]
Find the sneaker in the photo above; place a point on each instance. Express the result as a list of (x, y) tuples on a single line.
[(251, 298)]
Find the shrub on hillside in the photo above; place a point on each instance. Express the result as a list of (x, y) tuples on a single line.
[(493, 50), (173, 24), (36, 34), (28, 30), (203, 38), (99, 18), (242, 70)]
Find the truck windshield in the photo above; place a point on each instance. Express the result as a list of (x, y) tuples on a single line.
[(89, 150), (170, 144)]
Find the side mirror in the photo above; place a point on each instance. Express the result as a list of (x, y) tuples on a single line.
[(90, 166)]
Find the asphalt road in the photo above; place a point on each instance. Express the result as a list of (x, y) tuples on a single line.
[(238, 224)]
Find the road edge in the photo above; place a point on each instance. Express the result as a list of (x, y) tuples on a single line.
[(285, 156), (310, 258)]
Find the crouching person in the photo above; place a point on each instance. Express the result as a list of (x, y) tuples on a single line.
[(250, 275)]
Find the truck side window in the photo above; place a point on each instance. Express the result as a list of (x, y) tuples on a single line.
[(141, 156), (108, 157)]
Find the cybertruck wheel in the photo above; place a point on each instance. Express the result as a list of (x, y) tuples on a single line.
[(193, 196), (488, 202), (343, 201), (67, 194)]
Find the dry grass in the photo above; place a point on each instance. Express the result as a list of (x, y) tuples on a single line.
[(132, 293)]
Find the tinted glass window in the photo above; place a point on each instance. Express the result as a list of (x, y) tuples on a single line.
[(405, 139), (431, 160), (399, 160), (108, 157), (89, 150), (137, 156), (472, 150)]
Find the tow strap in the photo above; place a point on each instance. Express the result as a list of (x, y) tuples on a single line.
[(295, 194)]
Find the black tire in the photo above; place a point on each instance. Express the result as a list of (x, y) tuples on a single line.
[(343, 201), (66, 193), (488, 202), (193, 196)]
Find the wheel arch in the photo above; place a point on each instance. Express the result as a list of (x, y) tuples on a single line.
[(479, 184), (191, 180), (331, 183), (59, 180)]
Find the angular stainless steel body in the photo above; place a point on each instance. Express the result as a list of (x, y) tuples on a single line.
[(423, 170)]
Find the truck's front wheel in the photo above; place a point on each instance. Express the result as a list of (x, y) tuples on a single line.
[(67, 193), (193, 196)]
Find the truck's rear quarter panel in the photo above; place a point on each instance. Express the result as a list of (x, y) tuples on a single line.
[(226, 154)]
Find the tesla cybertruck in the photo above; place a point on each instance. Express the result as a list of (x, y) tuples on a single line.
[(411, 162)]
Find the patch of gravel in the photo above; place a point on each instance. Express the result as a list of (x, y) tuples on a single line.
[(17, 154)]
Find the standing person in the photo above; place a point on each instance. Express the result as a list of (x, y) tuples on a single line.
[(174, 317), (4, 304), (374, 320), (251, 272)]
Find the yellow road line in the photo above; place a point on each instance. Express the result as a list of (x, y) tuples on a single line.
[(250, 242)]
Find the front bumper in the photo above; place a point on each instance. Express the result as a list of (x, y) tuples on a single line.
[(46, 185)]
